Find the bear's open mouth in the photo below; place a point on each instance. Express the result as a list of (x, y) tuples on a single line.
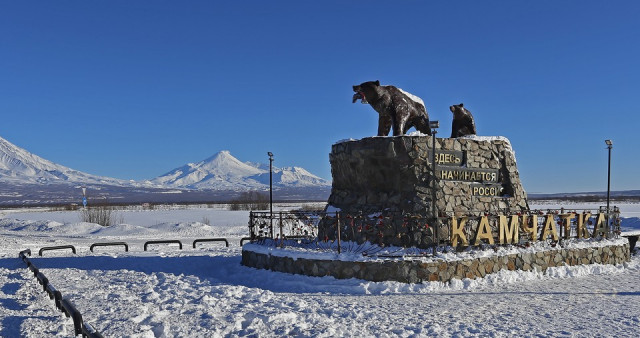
[(359, 96)]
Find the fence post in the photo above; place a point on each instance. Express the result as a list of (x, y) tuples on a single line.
[(434, 185), (562, 234), (271, 223), (281, 234), (338, 222), (251, 226)]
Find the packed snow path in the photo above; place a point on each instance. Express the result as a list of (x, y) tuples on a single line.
[(209, 293)]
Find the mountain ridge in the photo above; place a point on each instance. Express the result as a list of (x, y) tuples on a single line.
[(221, 171), (18, 165)]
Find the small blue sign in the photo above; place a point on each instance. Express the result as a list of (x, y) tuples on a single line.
[(84, 201)]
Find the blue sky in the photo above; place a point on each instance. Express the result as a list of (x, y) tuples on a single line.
[(134, 89)]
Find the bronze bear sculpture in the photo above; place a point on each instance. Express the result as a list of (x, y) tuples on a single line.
[(396, 108), (463, 123)]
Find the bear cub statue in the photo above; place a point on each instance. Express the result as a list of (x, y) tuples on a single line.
[(397, 108), (462, 121)]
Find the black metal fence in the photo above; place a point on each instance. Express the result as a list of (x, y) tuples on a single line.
[(63, 304), (372, 233), (286, 224), (66, 305)]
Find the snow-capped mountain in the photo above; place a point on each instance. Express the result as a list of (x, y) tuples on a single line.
[(222, 171), (25, 176), (20, 166), (295, 177)]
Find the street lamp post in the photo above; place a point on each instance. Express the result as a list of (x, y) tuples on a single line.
[(609, 146), (434, 125), (271, 190)]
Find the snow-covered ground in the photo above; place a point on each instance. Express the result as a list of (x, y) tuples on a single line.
[(205, 292)]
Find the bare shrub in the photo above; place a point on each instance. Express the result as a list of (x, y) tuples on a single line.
[(99, 214), (147, 206), (250, 200)]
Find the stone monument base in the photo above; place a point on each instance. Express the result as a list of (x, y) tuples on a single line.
[(418, 270), (394, 177)]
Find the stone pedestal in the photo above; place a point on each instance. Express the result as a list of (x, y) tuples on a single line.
[(474, 176)]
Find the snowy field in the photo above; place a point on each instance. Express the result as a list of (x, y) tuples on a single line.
[(205, 292)]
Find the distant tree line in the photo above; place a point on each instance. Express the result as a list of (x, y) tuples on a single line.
[(586, 198), (250, 200)]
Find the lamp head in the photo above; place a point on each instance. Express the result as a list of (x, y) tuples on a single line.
[(270, 154), (608, 142)]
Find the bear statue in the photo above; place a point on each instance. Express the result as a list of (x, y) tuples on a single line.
[(462, 121), (397, 108)]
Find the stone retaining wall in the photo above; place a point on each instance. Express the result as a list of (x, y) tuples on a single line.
[(408, 271)]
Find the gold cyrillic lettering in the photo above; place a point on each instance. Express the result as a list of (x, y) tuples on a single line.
[(484, 231), (533, 229), (566, 222), (509, 231), (600, 229), (581, 227), (456, 231), (549, 228)]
